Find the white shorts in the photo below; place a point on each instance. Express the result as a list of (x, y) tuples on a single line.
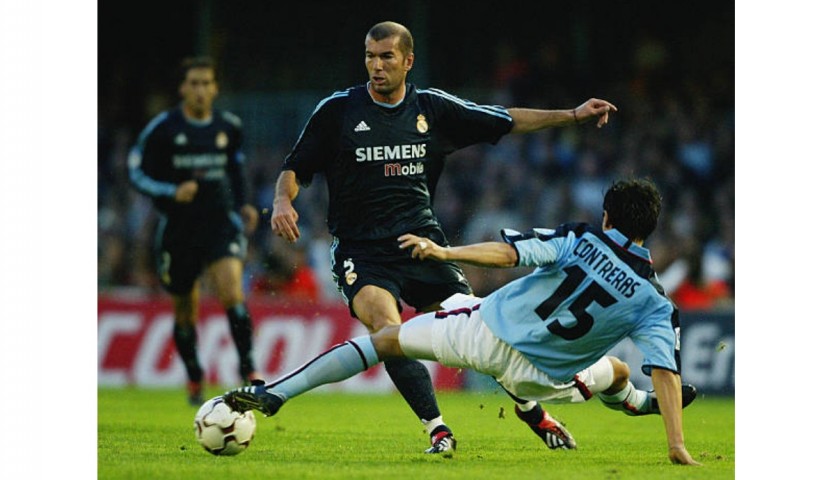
[(457, 337)]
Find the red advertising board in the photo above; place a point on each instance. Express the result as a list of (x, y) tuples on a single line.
[(135, 343)]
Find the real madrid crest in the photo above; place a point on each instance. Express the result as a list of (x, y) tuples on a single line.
[(422, 126), (221, 140)]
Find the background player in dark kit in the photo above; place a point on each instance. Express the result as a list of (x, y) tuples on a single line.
[(381, 147), (188, 160)]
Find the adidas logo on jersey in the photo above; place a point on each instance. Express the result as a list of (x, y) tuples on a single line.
[(361, 127)]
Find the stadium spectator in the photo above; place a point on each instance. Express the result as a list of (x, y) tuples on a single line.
[(543, 337), (694, 279), (381, 147), (188, 160), (286, 274)]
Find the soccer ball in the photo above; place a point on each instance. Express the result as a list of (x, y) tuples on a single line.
[(222, 431)]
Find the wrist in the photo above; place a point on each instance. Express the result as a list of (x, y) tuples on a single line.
[(574, 114)]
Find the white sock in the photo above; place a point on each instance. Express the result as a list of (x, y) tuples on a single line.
[(432, 424), (527, 406), (629, 400)]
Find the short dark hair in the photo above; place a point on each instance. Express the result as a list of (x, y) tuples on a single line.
[(633, 207), (189, 63), (384, 30)]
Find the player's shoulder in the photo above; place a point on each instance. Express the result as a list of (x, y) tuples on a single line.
[(337, 98), (164, 115), (159, 121), (578, 228), (544, 234), (445, 100), (431, 94), (231, 118), (434, 91), (331, 105)]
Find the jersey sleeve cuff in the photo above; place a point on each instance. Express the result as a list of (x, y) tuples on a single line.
[(510, 237), (646, 369)]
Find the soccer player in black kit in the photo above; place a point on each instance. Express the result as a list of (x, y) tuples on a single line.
[(381, 148), (188, 160)]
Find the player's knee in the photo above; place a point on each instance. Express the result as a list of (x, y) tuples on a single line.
[(376, 309), (386, 341), (621, 374), (226, 278), (230, 297), (601, 375), (185, 309), (377, 324)]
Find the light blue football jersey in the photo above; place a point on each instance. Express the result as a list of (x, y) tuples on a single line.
[(591, 290)]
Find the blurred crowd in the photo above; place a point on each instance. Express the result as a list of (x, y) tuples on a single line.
[(676, 128)]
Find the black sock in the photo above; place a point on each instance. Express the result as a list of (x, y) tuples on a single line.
[(185, 342), (532, 416), (241, 330), (413, 381)]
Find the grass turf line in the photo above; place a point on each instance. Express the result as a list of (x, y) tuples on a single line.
[(147, 434)]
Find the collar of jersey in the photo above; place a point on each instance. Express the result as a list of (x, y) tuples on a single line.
[(383, 104), (621, 241), (197, 123)]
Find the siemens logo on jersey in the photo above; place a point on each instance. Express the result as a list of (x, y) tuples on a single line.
[(395, 152), (199, 160)]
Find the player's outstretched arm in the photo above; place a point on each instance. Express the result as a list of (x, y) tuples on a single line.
[(487, 254), (284, 217), (529, 120), (668, 389)]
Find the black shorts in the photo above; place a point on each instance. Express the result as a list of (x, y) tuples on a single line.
[(419, 283), (184, 250)]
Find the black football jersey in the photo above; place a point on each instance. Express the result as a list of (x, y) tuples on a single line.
[(173, 149), (381, 163)]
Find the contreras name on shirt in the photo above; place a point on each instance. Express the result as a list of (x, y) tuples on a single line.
[(602, 266)]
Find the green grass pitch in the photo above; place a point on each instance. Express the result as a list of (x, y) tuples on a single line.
[(148, 434)]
